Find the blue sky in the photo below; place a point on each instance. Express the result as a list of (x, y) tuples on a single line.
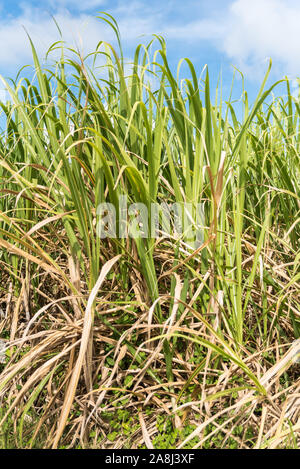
[(219, 33)]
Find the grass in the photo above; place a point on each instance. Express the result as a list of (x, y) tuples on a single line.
[(147, 342)]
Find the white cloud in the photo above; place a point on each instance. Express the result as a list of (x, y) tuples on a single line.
[(264, 28), (81, 30), (248, 32)]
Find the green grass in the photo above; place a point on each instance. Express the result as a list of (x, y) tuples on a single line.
[(195, 345)]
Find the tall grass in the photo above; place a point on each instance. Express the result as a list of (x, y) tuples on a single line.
[(206, 335)]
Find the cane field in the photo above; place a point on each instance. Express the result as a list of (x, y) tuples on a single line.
[(132, 342)]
